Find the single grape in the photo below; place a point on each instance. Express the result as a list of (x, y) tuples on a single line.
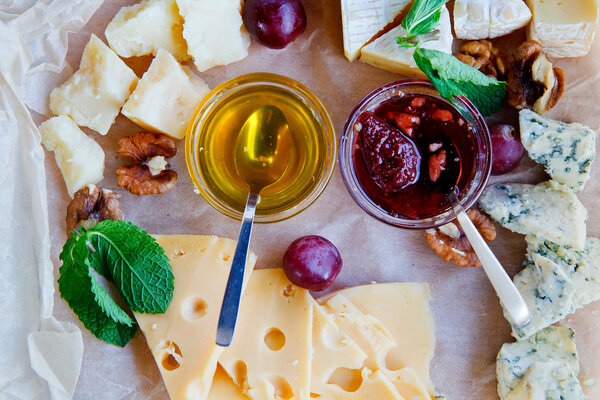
[(312, 262), (274, 23), (507, 149)]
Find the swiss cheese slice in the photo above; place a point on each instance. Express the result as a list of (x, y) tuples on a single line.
[(363, 19), (385, 53), (223, 387), (270, 356), (182, 340)]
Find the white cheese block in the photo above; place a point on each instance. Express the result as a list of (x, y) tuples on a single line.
[(363, 19), (166, 97), (385, 53), (182, 340), (548, 210), (481, 19), (214, 31), (94, 95), (547, 363), (567, 151), (146, 27), (271, 351), (79, 157), (563, 28)]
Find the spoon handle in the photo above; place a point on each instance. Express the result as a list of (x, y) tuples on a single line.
[(233, 291), (511, 299)]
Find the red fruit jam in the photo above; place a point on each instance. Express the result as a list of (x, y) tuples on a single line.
[(402, 181)]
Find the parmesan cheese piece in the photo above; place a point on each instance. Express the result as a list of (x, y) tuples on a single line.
[(94, 95)]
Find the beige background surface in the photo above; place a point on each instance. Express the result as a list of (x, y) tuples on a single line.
[(469, 323)]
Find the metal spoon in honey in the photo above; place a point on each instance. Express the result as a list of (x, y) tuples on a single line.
[(262, 154)]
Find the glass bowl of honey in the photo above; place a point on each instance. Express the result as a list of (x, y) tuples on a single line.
[(213, 131), (404, 147)]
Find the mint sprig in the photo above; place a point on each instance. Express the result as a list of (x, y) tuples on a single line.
[(132, 260), (423, 16)]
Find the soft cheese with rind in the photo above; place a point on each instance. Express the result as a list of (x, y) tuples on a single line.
[(546, 363), (94, 95), (481, 19), (146, 27), (182, 339), (363, 19), (567, 151), (214, 31), (166, 97), (79, 157), (563, 28), (385, 53), (547, 210)]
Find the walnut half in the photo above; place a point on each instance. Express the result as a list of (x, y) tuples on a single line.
[(149, 173), (91, 205), (482, 54), (449, 241)]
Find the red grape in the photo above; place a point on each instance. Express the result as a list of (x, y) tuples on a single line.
[(312, 262), (507, 149), (274, 23)]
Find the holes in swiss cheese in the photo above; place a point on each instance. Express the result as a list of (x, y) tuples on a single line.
[(194, 308), (347, 379), (289, 292), (178, 253), (240, 375), (393, 359), (283, 389), (171, 357), (332, 338), (274, 339)]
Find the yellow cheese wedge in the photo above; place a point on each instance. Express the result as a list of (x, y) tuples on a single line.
[(166, 97), (223, 387), (564, 28), (182, 340), (270, 356)]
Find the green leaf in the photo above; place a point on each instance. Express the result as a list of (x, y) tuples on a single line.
[(423, 16), (133, 260), (87, 298), (451, 78)]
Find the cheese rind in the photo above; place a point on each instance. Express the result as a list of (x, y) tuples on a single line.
[(166, 97), (79, 157), (363, 19), (214, 31), (385, 53), (94, 95), (481, 19), (563, 28), (547, 210), (567, 151), (146, 27), (182, 339)]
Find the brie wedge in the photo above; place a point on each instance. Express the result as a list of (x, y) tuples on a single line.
[(481, 19)]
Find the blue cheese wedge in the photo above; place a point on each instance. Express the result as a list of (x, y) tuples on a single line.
[(547, 210), (545, 366), (385, 53), (565, 150)]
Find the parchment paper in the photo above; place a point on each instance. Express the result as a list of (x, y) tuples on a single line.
[(470, 327)]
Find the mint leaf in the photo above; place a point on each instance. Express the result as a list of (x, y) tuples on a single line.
[(90, 302), (423, 16), (451, 78), (133, 260)]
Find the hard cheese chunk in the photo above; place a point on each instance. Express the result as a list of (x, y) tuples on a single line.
[(545, 365), (182, 339), (564, 28), (145, 28), (79, 157), (94, 95), (565, 150), (385, 53), (363, 19), (547, 210), (214, 31), (166, 97), (480, 19), (270, 356)]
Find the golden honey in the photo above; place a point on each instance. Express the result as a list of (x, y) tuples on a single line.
[(212, 135)]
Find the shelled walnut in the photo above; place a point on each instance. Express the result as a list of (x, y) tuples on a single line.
[(532, 80), (482, 54), (149, 173), (449, 241), (91, 205)]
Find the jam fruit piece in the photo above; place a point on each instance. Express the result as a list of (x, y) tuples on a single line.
[(312, 262), (437, 164), (392, 159)]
